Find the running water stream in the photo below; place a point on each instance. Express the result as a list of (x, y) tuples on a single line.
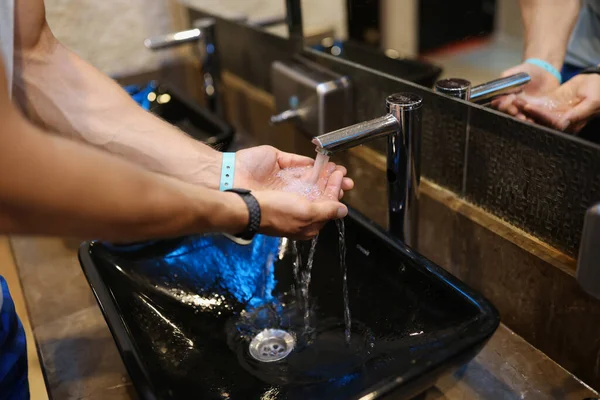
[(304, 181), (342, 248), (320, 162), (305, 283), (297, 265)]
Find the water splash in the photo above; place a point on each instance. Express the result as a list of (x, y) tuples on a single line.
[(304, 180), (296, 180)]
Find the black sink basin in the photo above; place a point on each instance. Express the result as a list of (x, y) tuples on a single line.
[(179, 109), (183, 312)]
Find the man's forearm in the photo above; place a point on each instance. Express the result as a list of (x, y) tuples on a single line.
[(67, 95), (548, 25), (51, 185)]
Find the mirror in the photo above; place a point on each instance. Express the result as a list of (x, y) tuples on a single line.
[(477, 40)]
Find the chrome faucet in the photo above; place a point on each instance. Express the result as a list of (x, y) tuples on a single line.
[(204, 34), (484, 93), (402, 126)]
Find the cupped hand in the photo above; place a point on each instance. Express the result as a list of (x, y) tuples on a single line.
[(293, 216), (542, 82), (258, 168), (567, 108)]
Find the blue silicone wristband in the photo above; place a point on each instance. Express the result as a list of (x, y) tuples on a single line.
[(547, 66), (227, 171)]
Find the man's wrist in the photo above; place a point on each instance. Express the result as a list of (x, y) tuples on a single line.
[(254, 213), (550, 56), (232, 216), (227, 171), (546, 66), (205, 169)]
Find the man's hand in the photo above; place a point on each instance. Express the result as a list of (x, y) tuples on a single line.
[(542, 82), (257, 168), (569, 107), (547, 27), (295, 217)]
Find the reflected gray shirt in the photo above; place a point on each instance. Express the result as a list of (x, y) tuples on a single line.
[(584, 44), (7, 9)]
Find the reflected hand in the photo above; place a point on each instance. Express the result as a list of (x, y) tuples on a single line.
[(257, 168), (569, 107), (542, 82)]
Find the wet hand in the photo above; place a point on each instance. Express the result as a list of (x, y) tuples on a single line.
[(258, 168), (542, 82), (291, 215), (569, 107)]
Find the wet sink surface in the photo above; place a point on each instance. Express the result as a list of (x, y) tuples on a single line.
[(184, 312)]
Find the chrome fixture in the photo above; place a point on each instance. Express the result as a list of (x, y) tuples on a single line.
[(588, 262), (271, 345), (402, 126), (203, 33), (484, 93), (454, 87), (315, 99)]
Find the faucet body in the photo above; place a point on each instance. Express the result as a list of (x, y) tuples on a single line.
[(402, 127), (484, 93), (203, 34)]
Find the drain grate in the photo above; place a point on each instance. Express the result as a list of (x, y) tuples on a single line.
[(272, 345)]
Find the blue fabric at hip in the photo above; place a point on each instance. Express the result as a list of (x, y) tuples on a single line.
[(13, 351)]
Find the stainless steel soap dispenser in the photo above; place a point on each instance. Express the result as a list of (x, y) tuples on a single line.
[(315, 99)]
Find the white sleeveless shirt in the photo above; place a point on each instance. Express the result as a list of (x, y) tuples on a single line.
[(7, 11), (7, 38)]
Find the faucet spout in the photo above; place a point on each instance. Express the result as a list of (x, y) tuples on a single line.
[(354, 135), (402, 127), (486, 92)]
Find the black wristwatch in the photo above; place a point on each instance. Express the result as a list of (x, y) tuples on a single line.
[(591, 70), (253, 212)]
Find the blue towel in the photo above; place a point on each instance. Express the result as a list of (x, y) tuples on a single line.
[(13, 351)]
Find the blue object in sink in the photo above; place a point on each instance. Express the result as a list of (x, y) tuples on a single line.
[(140, 94), (184, 312)]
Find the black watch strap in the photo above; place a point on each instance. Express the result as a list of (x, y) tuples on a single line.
[(591, 70), (253, 212)]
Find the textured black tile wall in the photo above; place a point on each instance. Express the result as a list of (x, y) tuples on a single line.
[(537, 179), (444, 141)]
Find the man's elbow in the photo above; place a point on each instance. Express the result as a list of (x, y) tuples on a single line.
[(37, 44)]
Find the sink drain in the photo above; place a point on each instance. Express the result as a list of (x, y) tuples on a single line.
[(272, 345)]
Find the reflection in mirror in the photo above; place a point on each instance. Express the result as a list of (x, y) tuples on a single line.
[(460, 39), (265, 14), (358, 37), (480, 41)]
